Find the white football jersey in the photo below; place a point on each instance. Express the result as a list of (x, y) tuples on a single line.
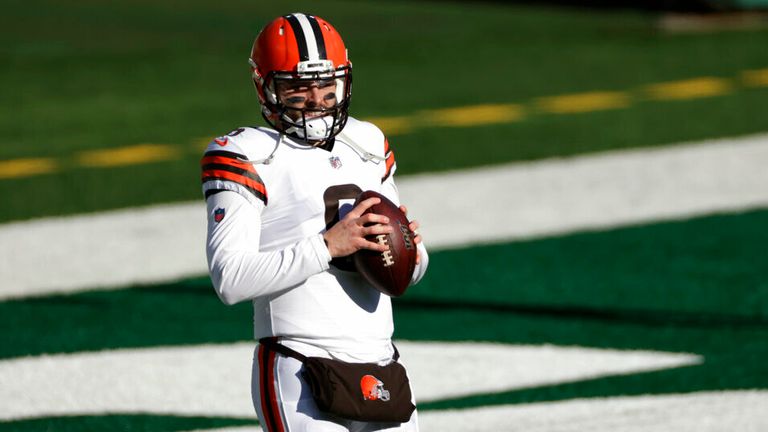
[(269, 201)]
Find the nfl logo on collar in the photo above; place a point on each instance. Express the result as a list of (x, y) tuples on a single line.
[(335, 162)]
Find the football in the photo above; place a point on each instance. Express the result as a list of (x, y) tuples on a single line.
[(389, 272)]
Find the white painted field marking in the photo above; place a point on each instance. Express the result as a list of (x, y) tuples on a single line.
[(441, 370), (743, 411), (497, 204), (560, 196), (103, 250), (214, 380)]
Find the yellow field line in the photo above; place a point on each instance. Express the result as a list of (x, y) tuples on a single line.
[(473, 115), (689, 89), (398, 125), (583, 102), (464, 116), (19, 168), (137, 154), (755, 78)]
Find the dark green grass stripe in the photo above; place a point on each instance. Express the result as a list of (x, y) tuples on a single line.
[(714, 268), (732, 355), (671, 381), (174, 314), (122, 422)]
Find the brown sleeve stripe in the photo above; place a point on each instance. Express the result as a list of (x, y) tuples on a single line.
[(255, 188), (227, 166), (227, 158), (390, 162)]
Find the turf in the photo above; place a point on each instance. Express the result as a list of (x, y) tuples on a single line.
[(662, 287), (90, 75)]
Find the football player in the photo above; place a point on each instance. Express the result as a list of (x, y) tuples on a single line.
[(281, 226)]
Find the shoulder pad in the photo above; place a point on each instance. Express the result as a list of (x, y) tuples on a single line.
[(365, 135), (253, 144), (229, 163)]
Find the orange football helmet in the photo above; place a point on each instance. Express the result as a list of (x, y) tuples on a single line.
[(373, 388), (301, 48)]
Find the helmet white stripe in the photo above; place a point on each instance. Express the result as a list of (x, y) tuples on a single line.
[(309, 36)]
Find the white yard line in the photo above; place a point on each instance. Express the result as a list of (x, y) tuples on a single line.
[(181, 381), (501, 203), (104, 250), (743, 411), (559, 196), (214, 380)]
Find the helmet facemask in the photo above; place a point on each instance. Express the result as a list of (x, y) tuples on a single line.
[(313, 125)]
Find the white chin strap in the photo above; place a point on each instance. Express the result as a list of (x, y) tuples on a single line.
[(316, 127)]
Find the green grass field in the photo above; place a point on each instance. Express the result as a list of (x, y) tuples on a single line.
[(86, 75), (95, 76)]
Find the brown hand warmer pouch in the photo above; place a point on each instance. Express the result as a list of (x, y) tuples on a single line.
[(355, 391)]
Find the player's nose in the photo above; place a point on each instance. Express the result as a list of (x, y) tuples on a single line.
[(314, 98)]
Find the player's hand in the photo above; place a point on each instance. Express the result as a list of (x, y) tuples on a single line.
[(414, 227), (347, 236)]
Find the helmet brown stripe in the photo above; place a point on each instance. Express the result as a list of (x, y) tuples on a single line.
[(318, 37), (301, 38)]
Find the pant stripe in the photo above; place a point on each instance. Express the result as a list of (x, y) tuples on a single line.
[(269, 400)]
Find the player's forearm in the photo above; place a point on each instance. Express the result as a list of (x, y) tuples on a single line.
[(239, 275), (238, 269)]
